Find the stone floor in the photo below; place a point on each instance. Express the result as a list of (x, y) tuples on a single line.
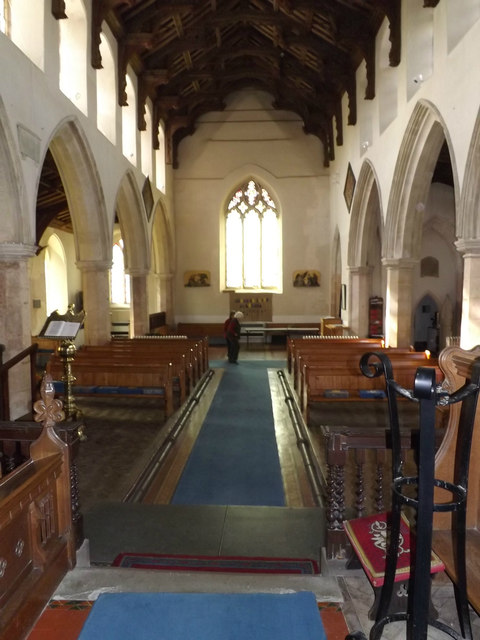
[(128, 457)]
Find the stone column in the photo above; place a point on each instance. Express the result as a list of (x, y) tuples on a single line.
[(398, 303), (139, 323), (15, 321), (166, 296), (96, 301), (360, 291), (470, 328)]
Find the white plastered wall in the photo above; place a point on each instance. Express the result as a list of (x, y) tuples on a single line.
[(249, 138), (449, 94)]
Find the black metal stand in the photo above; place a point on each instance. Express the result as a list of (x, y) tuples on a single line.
[(417, 492)]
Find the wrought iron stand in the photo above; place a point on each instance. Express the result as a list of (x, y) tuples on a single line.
[(417, 492)]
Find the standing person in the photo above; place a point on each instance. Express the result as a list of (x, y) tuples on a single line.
[(233, 333), (225, 331)]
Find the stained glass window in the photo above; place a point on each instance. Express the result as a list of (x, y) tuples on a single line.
[(252, 234)]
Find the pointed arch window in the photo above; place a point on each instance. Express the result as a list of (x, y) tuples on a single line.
[(252, 239)]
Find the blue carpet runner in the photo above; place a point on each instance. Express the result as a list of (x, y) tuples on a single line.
[(235, 458), (204, 616)]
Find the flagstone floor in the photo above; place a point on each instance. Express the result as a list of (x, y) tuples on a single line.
[(336, 588)]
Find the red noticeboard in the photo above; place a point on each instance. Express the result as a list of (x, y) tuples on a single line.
[(375, 317)]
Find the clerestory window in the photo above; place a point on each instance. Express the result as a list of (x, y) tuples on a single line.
[(252, 239)]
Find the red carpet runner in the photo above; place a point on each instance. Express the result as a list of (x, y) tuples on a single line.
[(216, 563), (63, 620)]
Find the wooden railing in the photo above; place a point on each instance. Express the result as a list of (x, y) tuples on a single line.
[(357, 480)]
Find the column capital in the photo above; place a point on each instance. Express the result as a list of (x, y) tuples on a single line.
[(137, 273), (361, 270), (94, 265), (399, 263), (16, 251), (468, 246)]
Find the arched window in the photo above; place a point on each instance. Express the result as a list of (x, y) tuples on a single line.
[(252, 239), (119, 280)]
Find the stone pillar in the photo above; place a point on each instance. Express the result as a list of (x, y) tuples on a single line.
[(470, 328), (398, 303), (139, 324), (96, 301), (15, 321), (360, 291), (166, 296)]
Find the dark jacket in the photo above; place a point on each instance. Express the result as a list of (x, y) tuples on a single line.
[(233, 330)]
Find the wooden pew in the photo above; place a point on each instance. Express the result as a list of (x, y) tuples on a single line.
[(335, 375), (329, 351), (94, 376), (178, 361), (212, 331), (198, 344), (186, 367), (195, 350), (456, 365), (310, 344)]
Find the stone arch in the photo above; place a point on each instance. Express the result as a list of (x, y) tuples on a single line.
[(365, 216), (468, 243), (468, 220), (417, 158), (16, 227), (414, 168), (163, 247), (132, 217), (365, 246), (79, 174), (130, 210), (336, 277), (163, 259)]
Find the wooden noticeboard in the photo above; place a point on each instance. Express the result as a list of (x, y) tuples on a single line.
[(256, 307)]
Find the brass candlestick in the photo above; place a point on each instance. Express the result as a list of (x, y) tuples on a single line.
[(67, 351)]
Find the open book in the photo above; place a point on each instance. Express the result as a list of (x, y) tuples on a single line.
[(61, 329)]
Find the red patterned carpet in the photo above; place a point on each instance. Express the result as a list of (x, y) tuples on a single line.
[(63, 620)]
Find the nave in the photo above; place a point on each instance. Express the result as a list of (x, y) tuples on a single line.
[(293, 531)]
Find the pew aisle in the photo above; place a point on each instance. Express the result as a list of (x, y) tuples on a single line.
[(70, 607)]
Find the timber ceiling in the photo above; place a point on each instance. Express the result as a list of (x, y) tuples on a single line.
[(189, 55)]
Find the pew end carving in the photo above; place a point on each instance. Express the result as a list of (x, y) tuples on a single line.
[(37, 541)]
